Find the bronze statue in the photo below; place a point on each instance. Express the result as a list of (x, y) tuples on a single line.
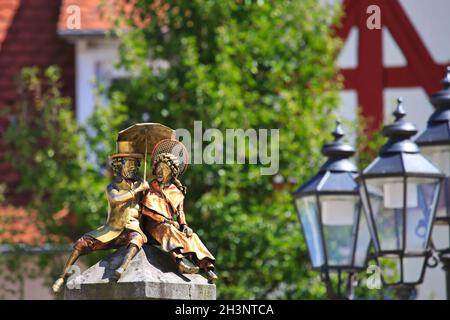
[(160, 210), (122, 227), (163, 214)]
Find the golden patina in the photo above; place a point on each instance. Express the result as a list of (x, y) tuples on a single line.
[(123, 211), (164, 215), (122, 226)]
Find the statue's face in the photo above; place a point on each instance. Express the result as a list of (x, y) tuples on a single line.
[(129, 167), (116, 166), (163, 172)]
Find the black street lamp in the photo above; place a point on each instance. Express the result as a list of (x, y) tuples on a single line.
[(330, 212), (434, 142), (400, 189)]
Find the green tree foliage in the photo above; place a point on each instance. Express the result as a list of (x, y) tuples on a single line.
[(62, 166), (240, 64)]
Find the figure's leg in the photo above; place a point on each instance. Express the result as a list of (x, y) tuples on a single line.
[(135, 243), (210, 274), (57, 286), (207, 265), (182, 267), (83, 246), (131, 252)]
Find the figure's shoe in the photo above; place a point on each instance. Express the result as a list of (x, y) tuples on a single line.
[(57, 286), (211, 276), (184, 268), (118, 273)]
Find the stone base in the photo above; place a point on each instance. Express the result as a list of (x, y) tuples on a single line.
[(150, 275)]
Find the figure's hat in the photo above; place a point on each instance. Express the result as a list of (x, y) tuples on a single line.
[(126, 149), (175, 148)]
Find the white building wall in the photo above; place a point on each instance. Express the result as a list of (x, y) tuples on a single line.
[(95, 61)]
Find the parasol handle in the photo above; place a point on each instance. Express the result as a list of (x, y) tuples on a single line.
[(145, 158)]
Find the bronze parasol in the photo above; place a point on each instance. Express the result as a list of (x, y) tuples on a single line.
[(145, 136)]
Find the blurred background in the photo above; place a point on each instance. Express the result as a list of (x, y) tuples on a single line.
[(75, 72)]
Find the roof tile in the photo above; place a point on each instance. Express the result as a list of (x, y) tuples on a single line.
[(19, 226), (91, 17)]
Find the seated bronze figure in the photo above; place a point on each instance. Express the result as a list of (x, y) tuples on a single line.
[(163, 213), (122, 227)]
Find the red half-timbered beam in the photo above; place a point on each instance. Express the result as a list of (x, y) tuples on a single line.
[(370, 77), (348, 19), (425, 71), (369, 74)]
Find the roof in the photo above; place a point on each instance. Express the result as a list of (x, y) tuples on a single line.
[(22, 227), (18, 226), (7, 11), (95, 16), (98, 17)]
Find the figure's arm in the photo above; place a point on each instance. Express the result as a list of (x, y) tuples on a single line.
[(119, 196), (181, 216), (182, 221)]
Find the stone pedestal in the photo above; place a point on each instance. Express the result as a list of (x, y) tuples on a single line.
[(150, 275)]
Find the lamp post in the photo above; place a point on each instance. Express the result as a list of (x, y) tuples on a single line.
[(434, 142), (330, 213), (399, 190)]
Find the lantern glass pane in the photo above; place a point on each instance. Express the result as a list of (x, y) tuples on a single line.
[(309, 217), (387, 210), (441, 235), (442, 210), (412, 269), (339, 215), (439, 156), (419, 218), (362, 241), (390, 269), (375, 202)]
